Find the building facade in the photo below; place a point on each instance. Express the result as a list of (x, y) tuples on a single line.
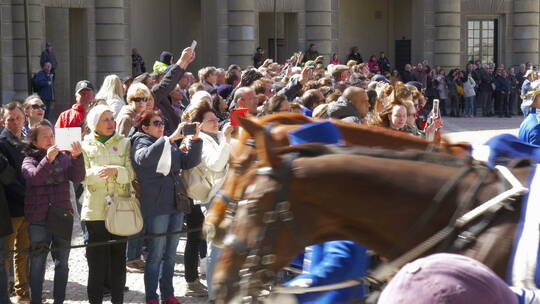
[(93, 38)]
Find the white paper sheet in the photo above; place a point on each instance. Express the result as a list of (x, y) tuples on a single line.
[(66, 136)]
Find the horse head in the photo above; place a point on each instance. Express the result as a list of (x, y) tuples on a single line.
[(294, 197), (220, 214), (242, 156)]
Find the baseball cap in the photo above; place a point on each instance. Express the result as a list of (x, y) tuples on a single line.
[(379, 77), (84, 85), (48, 44), (447, 279)]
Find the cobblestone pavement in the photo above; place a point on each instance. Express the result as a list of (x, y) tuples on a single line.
[(475, 130), (479, 129), (78, 275)]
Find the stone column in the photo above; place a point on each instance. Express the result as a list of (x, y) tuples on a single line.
[(526, 31), (112, 46), (36, 32), (318, 20), (241, 20), (6, 52), (447, 45), (57, 32)]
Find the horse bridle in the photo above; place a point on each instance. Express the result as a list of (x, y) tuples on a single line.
[(232, 203), (259, 257)]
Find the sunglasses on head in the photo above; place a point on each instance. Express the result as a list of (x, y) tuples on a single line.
[(38, 107), (158, 123), (139, 99)]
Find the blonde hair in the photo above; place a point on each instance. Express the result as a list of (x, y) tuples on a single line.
[(111, 88), (137, 90), (205, 72), (409, 105)]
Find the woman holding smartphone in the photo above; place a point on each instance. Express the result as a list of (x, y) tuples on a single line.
[(157, 160)]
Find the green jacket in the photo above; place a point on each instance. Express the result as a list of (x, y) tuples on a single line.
[(114, 153)]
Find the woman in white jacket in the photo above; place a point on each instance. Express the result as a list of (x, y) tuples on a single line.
[(210, 176), (470, 96), (111, 93)]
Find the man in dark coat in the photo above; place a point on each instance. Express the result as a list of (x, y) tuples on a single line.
[(48, 56), (311, 53), (355, 55), (44, 82), (7, 177), (406, 75), (258, 58), (384, 63), (520, 76), (167, 84), (10, 147), (485, 91)]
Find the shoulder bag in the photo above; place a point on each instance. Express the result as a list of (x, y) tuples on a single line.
[(198, 184), (123, 215), (59, 222), (182, 200)]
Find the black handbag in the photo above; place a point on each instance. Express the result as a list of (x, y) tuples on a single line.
[(60, 222), (180, 194)]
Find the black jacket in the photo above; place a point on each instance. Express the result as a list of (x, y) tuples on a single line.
[(7, 178), (11, 148), (355, 56), (47, 56), (161, 92), (406, 76), (486, 79)]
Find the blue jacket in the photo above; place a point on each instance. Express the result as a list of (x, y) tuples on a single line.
[(529, 131), (45, 90), (502, 84), (157, 191), (334, 262)]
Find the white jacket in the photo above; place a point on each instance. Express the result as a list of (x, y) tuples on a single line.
[(468, 87), (115, 105), (214, 161)]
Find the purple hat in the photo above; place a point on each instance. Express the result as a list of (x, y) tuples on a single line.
[(447, 279)]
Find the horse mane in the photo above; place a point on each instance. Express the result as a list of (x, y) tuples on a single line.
[(317, 149)]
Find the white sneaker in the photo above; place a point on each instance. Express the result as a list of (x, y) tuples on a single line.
[(203, 265)]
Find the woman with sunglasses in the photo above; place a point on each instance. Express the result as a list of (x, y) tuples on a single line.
[(138, 96), (157, 160), (214, 163), (34, 110)]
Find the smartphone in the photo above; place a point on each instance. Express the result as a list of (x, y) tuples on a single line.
[(194, 45), (436, 111), (189, 129)]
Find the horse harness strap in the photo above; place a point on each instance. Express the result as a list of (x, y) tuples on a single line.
[(229, 201), (258, 257), (435, 206), (385, 271), (232, 203)]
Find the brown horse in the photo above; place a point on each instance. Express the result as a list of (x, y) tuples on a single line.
[(242, 155), (373, 201)]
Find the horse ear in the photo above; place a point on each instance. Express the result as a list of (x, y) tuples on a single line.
[(249, 125), (264, 142)]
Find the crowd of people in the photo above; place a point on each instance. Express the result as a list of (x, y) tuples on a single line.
[(165, 137)]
